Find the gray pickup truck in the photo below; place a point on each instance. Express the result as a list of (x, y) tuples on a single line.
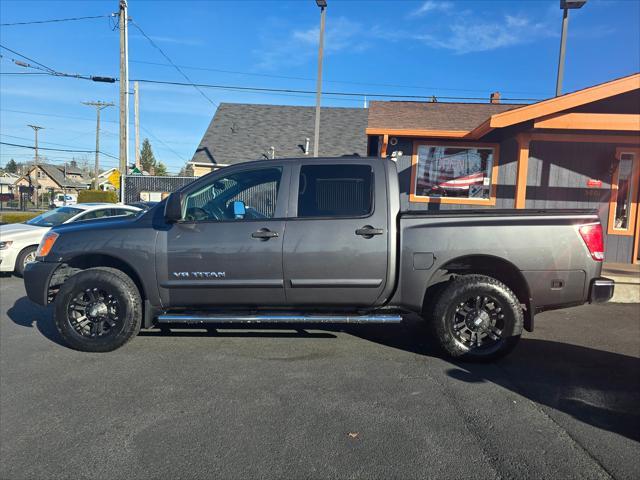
[(309, 241)]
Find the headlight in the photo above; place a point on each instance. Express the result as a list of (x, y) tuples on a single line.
[(46, 244), (5, 245)]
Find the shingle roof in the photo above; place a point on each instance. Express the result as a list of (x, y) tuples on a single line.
[(432, 116), (243, 132), (57, 176)]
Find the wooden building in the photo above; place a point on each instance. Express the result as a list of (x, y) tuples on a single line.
[(579, 150)]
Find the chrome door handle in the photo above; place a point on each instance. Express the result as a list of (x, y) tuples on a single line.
[(368, 231), (264, 234)]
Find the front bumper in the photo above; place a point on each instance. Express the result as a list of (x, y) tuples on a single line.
[(37, 277), (601, 290), (7, 260)]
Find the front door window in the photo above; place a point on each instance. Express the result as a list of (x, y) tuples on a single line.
[(257, 189)]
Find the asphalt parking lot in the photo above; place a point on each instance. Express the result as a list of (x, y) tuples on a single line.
[(366, 402)]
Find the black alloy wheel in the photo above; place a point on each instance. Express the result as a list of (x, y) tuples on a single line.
[(98, 310), (475, 317)]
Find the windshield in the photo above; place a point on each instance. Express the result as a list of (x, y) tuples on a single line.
[(54, 217)]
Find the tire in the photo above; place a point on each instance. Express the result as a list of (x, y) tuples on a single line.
[(110, 303), (476, 318), (26, 253)]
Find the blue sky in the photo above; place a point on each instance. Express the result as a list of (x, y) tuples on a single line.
[(442, 48)]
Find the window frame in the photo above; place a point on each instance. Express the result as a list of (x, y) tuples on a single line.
[(295, 187), (634, 179), (491, 201), (280, 211)]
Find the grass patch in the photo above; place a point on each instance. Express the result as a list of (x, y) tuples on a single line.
[(17, 217)]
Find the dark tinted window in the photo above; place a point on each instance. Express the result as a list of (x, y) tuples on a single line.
[(335, 191)]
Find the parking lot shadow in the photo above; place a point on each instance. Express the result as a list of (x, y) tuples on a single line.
[(594, 386), (28, 314), (597, 387)]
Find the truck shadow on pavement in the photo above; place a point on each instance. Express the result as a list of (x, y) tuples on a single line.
[(28, 314), (593, 386)]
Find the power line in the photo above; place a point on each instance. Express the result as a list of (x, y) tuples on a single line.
[(49, 143), (198, 86), (53, 149), (163, 143), (55, 20), (171, 62), (24, 73), (312, 92), (53, 115), (48, 69), (345, 82)]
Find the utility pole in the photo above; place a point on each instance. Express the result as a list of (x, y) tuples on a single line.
[(124, 87), (35, 130), (316, 135), (98, 106), (136, 115)]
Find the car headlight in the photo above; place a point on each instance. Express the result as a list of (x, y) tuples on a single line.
[(5, 245), (46, 244)]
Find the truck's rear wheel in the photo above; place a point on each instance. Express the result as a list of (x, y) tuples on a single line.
[(98, 310), (476, 317)]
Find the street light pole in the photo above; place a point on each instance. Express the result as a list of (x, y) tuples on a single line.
[(563, 46), (565, 5), (316, 135)]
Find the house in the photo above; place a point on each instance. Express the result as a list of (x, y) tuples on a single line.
[(7, 180), (244, 132), (578, 150), (104, 179), (48, 178)]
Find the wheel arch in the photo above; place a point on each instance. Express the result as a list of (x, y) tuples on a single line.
[(90, 260), (19, 254), (490, 265)]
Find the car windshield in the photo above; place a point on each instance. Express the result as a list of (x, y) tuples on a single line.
[(54, 217)]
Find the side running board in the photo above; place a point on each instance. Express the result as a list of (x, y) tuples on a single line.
[(278, 318)]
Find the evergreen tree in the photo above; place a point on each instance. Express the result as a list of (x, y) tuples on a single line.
[(161, 169), (11, 166), (147, 159)]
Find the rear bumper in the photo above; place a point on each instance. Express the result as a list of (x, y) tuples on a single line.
[(37, 277), (601, 290)]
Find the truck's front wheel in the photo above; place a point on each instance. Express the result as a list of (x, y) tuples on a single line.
[(98, 310), (476, 317)]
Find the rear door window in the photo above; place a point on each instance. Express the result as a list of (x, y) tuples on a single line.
[(334, 191)]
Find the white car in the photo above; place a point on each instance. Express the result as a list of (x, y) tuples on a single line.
[(19, 241)]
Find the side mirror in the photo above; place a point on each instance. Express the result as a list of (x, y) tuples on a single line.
[(239, 209), (173, 208)]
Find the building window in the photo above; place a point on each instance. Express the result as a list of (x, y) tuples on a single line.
[(624, 192), (447, 173)]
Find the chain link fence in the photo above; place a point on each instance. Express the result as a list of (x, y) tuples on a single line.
[(136, 188)]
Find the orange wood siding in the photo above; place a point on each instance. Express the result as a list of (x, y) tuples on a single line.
[(565, 102), (591, 121), (569, 137), (520, 199), (398, 132)]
